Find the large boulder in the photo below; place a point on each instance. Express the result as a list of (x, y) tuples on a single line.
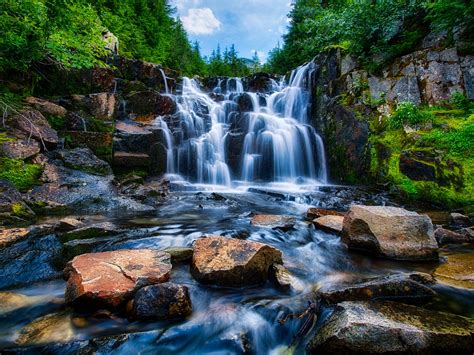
[(31, 123), (392, 328), (410, 288), (20, 149), (390, 232), (161, 302), (46, 107), (109, 279), (232, 262), (457, 271)]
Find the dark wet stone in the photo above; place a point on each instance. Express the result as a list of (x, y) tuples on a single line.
[(161, 302), (415, 169), (82, 159), (392, 328), (103, 229), (459, 220), (410, 288), (52, 328), (445, 236), (38, 253), (13, 210), (180, 254)]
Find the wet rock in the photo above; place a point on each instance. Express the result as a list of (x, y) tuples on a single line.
[(29, 252), (245, 102), (180, 254), (392, 328), (33, 124), (101, 106), (13, 211), (52, 328), (68, 224), (46, 107), (273, 221), (20, 149), (284, 280), (161, 302), (82, 159), (77, 247), (232, 262), (109, 279), (315, 212), (415, 169), (103, 229), (459, 220), (445, 236), (390, 232), (11, 236), (151, 102), (10, 301), (457, 271), (131, 160), (409, 288), (331, 224)]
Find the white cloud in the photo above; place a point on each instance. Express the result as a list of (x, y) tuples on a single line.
[(201, 21)]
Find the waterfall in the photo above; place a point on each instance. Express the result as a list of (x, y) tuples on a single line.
[(165, 80), (247, 136)]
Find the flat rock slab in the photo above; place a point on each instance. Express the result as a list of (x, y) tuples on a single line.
[(314, 212), (273, 221), (232, 262), (392, 328), (96, 230), (457, 271), (331, 224), (390, 232), (111, 278), (397, 287)]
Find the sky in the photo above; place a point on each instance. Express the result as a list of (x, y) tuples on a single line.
[(252, 25)]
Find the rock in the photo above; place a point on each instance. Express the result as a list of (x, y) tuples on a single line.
[(52, 328), (232, 262), (10, 301), (68, 224), (99, 142), (379, 88), (457, 271), (348, 64), (273, 221), (29, 252), (415, 169), (314, 213), (390, 232), (77, 247), (459, 220), (13, 211), (46, 107), (101, 106), (20, 149), (33, 123), (180, 255), (445, 236), (151, 102), (103, 229), (392, 328), (82, 159), (409, 288), (284, 280), (331, 224), (406, 89), (161, 302), (109, 279), (131, 160)]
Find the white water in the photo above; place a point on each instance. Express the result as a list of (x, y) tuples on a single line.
[(276, 144)]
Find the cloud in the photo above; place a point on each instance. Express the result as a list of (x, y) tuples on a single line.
[(201, 21)]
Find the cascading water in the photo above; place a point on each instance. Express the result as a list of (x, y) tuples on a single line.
[(275, 141)]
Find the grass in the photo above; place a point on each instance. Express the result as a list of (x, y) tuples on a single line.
[(22, 175)]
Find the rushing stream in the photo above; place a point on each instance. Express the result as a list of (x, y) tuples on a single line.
[(279, 151)]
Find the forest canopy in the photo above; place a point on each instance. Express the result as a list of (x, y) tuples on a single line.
[(374, 31)]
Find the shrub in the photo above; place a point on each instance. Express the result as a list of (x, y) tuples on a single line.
[(460, 101), (406, 113)]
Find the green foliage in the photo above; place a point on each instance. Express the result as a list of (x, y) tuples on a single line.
[(374, 31), (457, 142), (69, 33), (460, 101), (227, 63), (23, 176), (407, 113)]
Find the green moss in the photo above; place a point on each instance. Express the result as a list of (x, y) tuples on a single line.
[(56, 122), (22, 175), (19, 210), (4, 138)]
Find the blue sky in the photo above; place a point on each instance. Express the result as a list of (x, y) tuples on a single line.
[(252, 25)]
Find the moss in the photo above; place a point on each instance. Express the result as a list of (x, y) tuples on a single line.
[(56, 122), (4, 138), (20, 174), (20, 210)]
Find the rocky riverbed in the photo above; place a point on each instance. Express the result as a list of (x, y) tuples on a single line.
[(241, 272)]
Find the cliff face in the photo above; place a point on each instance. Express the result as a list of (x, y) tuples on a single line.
[(351, 109)]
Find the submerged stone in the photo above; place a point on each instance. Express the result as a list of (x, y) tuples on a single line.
[(392, 328), (232, 262), (273, 221), (390, 232), (179, 254), (103, 229), (457, 271), (52, 328), (109, 279)]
